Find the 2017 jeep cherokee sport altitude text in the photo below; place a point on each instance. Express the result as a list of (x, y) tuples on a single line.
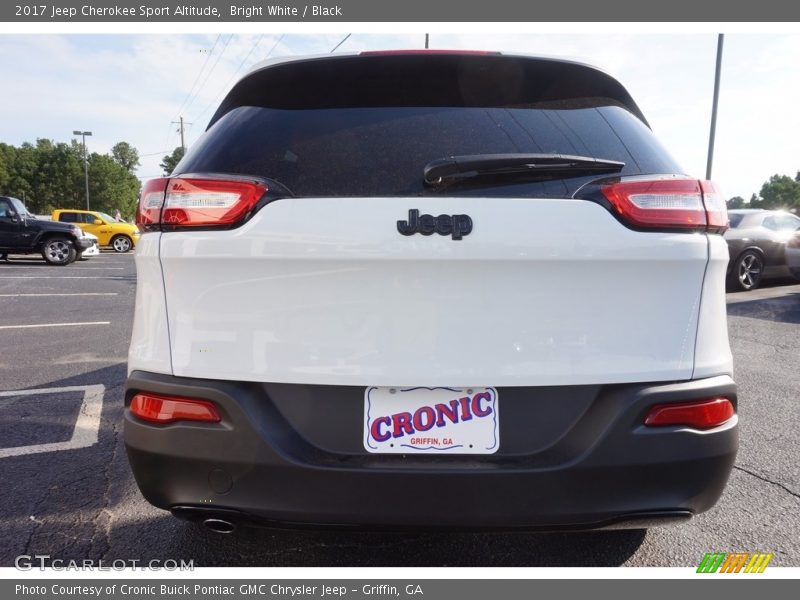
[(430, 289)]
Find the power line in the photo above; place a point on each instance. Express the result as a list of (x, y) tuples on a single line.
[(225, 89), (340, 43), (241, 64), (154, 153), (197, 78), (214, 66)]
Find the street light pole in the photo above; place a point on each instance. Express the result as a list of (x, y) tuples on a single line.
[(83, 135), (715, 101)]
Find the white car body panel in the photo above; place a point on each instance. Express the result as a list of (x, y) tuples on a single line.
[(326, 291), (149, 349), (713, 352), (95, 249)]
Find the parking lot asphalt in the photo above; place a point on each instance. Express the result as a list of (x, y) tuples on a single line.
[(67, 491)]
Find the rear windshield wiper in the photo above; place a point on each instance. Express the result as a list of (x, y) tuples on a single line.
[(514, 167)]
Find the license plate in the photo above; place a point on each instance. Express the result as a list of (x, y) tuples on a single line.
[(425, 420)]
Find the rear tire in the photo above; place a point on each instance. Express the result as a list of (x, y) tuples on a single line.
[(121, 243), (58, 251), (747, 271)]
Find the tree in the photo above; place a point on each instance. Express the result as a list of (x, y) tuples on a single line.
[(171, 161), (126, 155), (48, 175), (112, 186), (736, 202), (781, 191)]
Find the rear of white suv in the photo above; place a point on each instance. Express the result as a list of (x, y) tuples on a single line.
[(430, 289)]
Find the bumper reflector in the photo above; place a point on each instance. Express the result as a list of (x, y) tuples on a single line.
[(155, 408), (699, 414)]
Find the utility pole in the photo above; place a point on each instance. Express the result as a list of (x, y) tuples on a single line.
[(181, 129), (712, 134), (83, 135), (426, 40)]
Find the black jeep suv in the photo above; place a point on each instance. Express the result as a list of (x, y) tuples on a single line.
[(22, 233)]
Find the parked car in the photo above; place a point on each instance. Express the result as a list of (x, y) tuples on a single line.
[(757, 245), (437, 289), (793, 254), (22, 233), (119, 235), (92, 250)]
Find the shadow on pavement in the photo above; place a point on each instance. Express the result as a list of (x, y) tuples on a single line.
[(784, 309)]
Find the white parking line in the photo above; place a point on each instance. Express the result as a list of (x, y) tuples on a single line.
[(48, 295), (86, 427), (54, 325)]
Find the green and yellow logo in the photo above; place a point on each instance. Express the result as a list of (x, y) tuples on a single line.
[(736, 562)]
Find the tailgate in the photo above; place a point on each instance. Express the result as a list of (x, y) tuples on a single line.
[(327, 291)]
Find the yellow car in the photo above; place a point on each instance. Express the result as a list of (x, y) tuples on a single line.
[(119, 235)]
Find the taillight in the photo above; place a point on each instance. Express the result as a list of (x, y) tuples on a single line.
[(156, 408), (209, 202), (148, 215), (197, 202), (683, 204), (699, 414), (716, 208), (412, 51)]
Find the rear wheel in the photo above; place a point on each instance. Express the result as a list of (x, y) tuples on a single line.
[(746, 273), (59, 251), (121, 243)]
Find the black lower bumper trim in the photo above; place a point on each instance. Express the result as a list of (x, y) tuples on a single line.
[(270, 463)]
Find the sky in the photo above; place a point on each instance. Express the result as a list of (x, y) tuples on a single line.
[(132, 87)]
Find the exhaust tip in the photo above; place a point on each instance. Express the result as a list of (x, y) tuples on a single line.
[(219, 525)]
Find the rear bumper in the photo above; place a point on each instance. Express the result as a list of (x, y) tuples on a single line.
[(286, 455), (82, 244)]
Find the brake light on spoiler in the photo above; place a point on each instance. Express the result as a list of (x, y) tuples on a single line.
[(196, 202), (666, 203), (428, 51)]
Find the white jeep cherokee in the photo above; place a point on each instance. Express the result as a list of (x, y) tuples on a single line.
[(430, 289)]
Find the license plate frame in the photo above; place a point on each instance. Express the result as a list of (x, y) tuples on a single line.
[(431, 420)]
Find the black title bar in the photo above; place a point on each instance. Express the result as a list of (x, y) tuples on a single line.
[(400, 10)]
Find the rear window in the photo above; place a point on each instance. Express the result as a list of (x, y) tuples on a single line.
[(375, 143), (735, 219)]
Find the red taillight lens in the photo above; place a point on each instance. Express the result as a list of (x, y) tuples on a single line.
[(413, 51), (148, 216), (196, 202), (156, 408), (716, 208), (700, 414), (658, 204), (208, 202), (685, 204)]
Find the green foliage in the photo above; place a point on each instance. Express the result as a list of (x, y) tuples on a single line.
[(111, 186), (736, 202), (781, 191), (171, 161), (49, 175), (126, 155)]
